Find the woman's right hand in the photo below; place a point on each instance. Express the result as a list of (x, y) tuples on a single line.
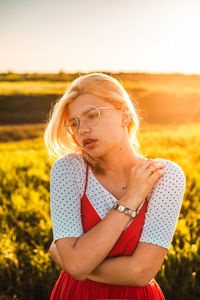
[(142, 177)]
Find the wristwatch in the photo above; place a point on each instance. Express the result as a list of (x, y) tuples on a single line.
[(128, 211)]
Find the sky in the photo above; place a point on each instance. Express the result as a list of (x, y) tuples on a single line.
[(158, 36)]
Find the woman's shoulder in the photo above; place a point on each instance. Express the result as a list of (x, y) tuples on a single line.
[(69, 159), (173, 176), (164, 204), (69, 163), (171, 168)]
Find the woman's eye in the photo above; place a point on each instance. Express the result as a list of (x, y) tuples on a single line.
[(73, 124), (92, 115)]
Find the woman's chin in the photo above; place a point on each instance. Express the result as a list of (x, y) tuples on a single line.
[(95, 153)]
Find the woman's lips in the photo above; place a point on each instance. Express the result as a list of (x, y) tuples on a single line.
[(91, 144)]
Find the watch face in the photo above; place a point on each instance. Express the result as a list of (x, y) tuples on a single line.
[(133, 214), (127, 211), (115, 205), (121, 208)]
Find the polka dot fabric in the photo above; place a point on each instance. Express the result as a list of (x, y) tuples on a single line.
[(164, 206), (65, 199), (67, 183)]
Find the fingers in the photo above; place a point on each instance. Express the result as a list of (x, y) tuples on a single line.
[(156, 175), (155, 168), (149, 166)]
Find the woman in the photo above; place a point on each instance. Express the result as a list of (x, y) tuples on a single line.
[(113, 211)]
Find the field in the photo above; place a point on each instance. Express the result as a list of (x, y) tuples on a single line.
[(158, 98), (26, 270)]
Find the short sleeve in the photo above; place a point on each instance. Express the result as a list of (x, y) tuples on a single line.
[(164, 204), (65, 204)]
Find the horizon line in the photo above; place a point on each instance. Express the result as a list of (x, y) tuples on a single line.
[(97, 71)]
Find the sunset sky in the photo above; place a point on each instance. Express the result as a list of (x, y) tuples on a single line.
[(103, 35)]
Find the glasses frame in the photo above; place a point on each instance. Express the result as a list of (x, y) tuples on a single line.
[(79, 117)]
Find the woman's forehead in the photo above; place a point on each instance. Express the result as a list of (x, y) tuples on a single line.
[(84, 102)]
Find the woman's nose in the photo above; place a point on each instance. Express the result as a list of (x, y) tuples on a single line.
[(83, 126)]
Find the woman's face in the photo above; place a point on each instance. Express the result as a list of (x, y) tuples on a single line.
[(107, 132)]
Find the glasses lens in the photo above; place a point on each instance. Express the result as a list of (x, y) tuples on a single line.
[(72, 126), (92, 117)]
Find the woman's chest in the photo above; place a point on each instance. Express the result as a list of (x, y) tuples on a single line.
[(112, 185)]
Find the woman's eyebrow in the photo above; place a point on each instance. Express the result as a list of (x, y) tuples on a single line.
[(83, 113)]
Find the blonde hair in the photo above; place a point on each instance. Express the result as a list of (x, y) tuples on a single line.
[(60, 143)]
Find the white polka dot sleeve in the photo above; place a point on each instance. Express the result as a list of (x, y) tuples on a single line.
[(164, 204), (65, 204)]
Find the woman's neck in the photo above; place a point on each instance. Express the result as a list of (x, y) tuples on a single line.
[(119, 160)]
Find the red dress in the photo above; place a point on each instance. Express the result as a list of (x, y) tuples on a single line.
[(67, 288)]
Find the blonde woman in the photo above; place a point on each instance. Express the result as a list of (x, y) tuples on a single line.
[(113, 211)]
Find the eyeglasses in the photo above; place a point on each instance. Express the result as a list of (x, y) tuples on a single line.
[(91, 118)]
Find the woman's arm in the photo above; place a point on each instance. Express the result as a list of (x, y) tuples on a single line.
[(55, 256), (136, 270), (112, 270)]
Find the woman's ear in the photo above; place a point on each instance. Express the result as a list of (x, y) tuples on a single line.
[(126, 117)]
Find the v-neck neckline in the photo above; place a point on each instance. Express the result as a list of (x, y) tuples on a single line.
[(108, 193), (139, 209)]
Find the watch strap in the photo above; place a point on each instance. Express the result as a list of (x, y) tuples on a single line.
[(128, 211)]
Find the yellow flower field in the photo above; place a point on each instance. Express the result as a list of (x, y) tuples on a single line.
[(26, 270)]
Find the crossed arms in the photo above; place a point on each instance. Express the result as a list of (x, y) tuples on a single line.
[(86, 257), (136, 270)]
